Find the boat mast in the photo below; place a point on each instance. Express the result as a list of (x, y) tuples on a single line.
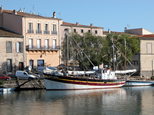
[(125, 52), (113, 55), (66, 32)]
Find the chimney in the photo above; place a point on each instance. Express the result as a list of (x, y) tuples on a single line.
[(39, 14), (54, 14), (1, 9), (91, 25), (77, 23), (33, 13), (125, 28), (15, 12)]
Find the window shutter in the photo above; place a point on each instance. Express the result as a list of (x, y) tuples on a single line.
[(8, 47), (17, 46)]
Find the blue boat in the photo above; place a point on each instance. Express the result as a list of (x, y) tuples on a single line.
[(138, 83)]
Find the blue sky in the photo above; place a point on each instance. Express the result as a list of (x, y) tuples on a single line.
[(110, 14)]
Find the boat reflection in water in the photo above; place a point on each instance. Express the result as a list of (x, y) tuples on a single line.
[(86, 101), (116, 101)]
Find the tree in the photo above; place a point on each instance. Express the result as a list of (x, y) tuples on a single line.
[(132, 46), (94, 47)]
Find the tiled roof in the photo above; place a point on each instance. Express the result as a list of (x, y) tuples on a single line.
[(27, 14), (106, 32), (71, 24), (7, 33), (146, 36), (21, 13)]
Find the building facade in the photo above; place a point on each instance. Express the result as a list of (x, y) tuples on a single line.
[(41, 36), (146, 55), (11, 50)]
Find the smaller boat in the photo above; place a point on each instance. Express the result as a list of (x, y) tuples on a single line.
[(130, 83)]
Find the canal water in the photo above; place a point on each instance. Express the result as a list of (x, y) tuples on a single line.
[(118, 101)]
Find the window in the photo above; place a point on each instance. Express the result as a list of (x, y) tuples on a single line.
[(54, 43), (74, 30), (19, 47), (149, 48), (54, 29), (46, 44), (89, 31), (30, 43), (46, 29), (30, 28), (38, 31), (38, 26), (8, 46), (95, 31), (9, 65), (38, 43), (40, 63), (81, 31)]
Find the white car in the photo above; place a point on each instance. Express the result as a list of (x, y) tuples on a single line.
[(24, 75)]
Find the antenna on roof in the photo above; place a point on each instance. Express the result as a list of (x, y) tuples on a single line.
[(33, 9), (24, 10), (59, 15)]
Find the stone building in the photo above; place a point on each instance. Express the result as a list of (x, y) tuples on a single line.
[(11, 50)]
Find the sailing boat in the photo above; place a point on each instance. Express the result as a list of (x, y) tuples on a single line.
[(63, 80)]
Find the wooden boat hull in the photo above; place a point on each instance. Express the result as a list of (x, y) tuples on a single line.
[(72, 83), (138, 83)]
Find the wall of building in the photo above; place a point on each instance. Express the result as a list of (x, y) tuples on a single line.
[(78, 30), (139, 31), (147, 58), (146, 32), (12, 22), (50, 57), (134, 31), (16, 57)]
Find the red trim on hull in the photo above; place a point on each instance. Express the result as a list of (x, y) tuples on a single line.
[(80, 82)]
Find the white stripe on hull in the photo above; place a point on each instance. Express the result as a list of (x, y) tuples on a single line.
[(59, 85)]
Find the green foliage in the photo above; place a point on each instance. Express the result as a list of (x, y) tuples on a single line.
[(98, 49), (95, 47), (132, 46)]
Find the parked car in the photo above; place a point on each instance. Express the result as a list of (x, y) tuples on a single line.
[(24, 75), (4, 77)]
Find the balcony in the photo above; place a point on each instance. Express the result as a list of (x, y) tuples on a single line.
[(38, 31), (46, 32), (38, 48), (54, 32), (30, 31)]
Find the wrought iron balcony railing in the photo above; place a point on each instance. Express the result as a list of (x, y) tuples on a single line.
[(30, 31), (39, 31), (28, 47), (46, 32), (54, 32)]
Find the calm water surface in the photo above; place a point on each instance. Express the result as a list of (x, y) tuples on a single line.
[(119, 101)]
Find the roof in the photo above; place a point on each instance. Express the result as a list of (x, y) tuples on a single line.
[(24, 14), (7, 33), (79, 25), (146, 36), (106, 32)]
